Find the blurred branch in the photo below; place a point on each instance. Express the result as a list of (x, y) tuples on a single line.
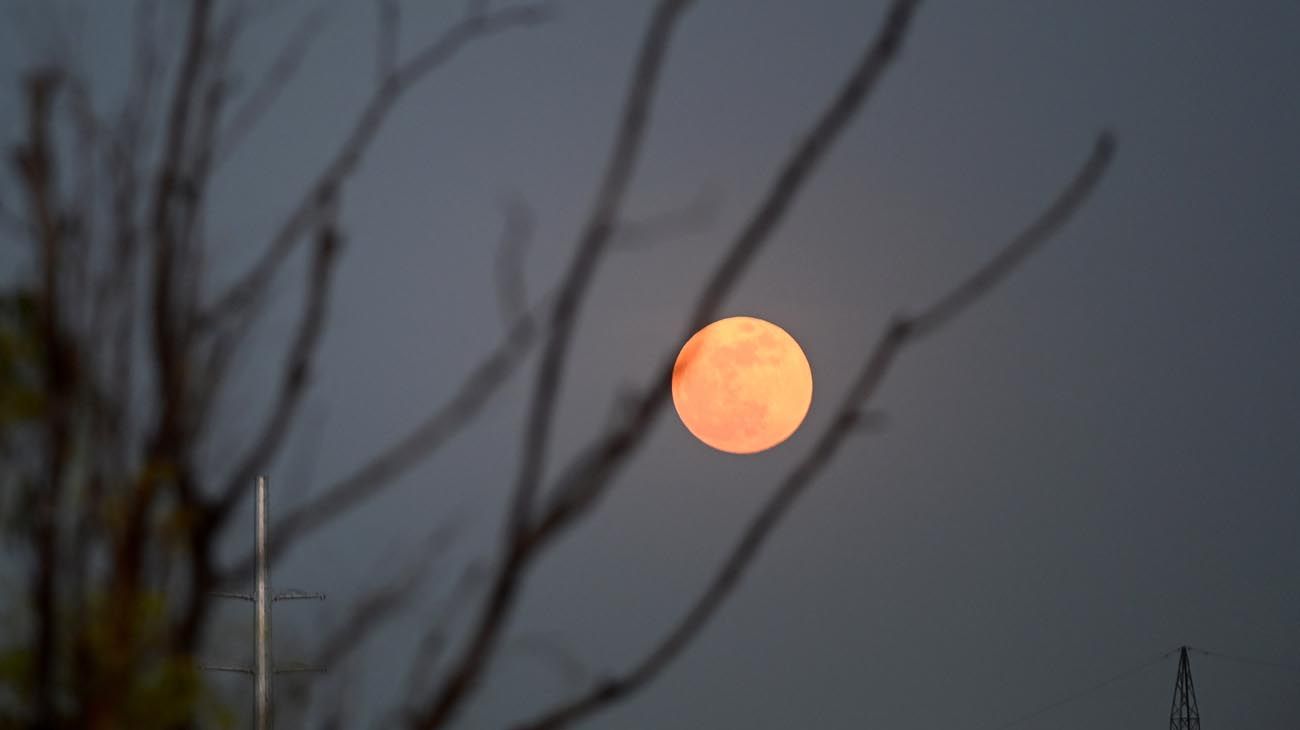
[(295, 377), (242, 297), (551, 651), (277, 76), (436, 637), (592, 246), (170, 182), (695, 215), (383, 602), (37, 169), (512, 293), (11, 221), (899, 334), (388, 24), (590, 474), (469, 666), (384, 468)]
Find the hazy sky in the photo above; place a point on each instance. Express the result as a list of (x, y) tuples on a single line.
[(1099, 463)]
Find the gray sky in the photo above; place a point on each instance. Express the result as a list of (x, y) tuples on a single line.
[(1096, 465)]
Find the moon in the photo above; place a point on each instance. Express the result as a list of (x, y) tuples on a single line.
[(742, 385)]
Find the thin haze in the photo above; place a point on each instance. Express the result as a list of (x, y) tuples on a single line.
[(1096, 465)]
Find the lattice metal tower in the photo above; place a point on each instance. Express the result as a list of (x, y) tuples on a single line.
[(1184, 714)]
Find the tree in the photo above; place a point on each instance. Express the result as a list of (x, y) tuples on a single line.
[(117, 348)]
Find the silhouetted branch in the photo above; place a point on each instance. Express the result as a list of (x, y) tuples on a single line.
[(385, 467), (901, 332), (434, 642), (586, 478), (278, 75), (295, 377), (10, 220), (485, 633), (383, 602), (242, 296), (1021, 248), (512, 292), (550, 651), (592, 245), (37, 169), (170, 182), (388, 21), (695, 215)]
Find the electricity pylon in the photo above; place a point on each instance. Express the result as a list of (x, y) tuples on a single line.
[(263, 668), (1184, 714)]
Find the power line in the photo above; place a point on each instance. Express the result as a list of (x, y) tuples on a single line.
[(1247, 660), (1084, 692)]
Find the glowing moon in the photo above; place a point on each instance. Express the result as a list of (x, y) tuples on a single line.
[(742, 385)]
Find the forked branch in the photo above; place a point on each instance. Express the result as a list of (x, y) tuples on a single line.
[(594, 240)]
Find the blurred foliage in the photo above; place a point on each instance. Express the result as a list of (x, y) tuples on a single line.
[(152, 689)]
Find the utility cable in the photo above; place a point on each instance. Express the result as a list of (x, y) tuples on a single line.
[(1246, 660), (1086, 691)]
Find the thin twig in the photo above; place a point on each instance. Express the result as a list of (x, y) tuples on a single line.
[(551, 651), (278, 75), (517, 231), (694, 216), (11, 221), (387, 49), (385, 601)]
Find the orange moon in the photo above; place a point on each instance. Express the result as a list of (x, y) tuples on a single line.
[(742, 385)]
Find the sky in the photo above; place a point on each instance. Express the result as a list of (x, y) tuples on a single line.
[(1095, 465)]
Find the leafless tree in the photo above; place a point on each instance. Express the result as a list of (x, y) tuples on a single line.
[(117, 348)]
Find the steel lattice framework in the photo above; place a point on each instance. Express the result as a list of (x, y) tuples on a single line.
[(1184, 714)]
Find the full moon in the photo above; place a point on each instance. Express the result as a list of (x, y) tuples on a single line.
[(742, 385)]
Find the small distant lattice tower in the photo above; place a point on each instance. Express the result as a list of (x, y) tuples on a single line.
[(1184, 714)]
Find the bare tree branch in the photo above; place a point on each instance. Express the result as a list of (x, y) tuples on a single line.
[(11, 221), (383, 602), (108, 466), (384, 468), (242, 296), (549, 650), (295, 378), (899, 334), (264, 95), (432, 645), (585, 479), (591, 248), (387, 49), (169, 183), (37, 168), (695, 215), (581, 484), (512, 292), (1022, 247), (471, 663)]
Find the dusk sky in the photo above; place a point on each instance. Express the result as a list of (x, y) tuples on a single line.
[(1098, 463)]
